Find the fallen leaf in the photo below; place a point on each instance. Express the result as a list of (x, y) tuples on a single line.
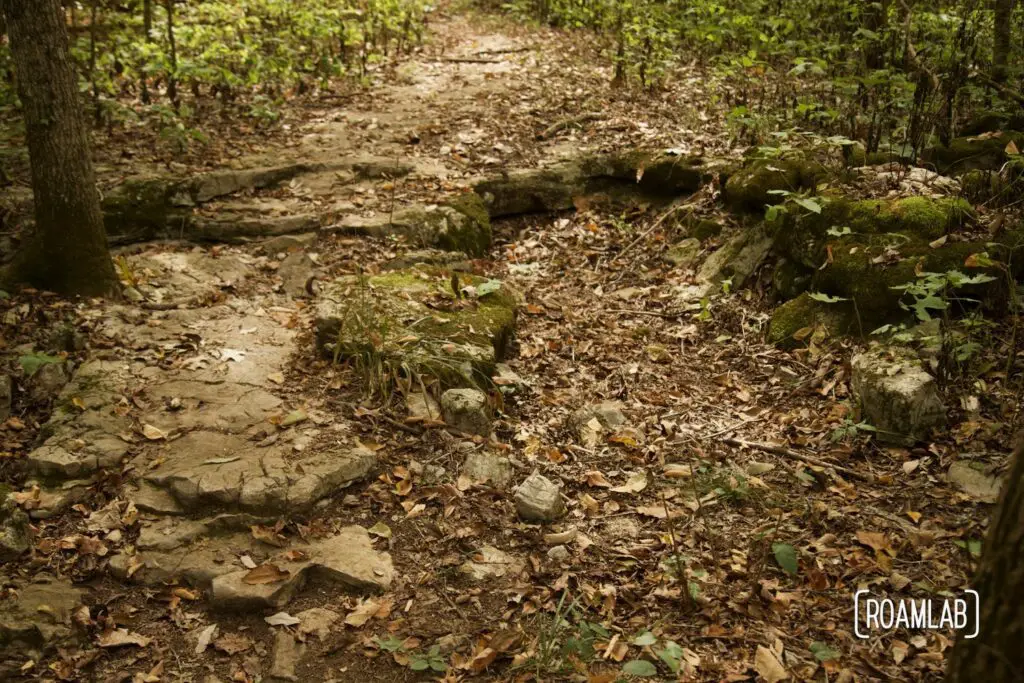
[(232, 643), (363, 612), (265, 573), (152, 433), (768, 665), (205, 636), (122, 637), (636, 483), (281, 619)]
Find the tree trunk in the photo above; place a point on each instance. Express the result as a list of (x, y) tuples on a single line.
[(996, 655), (147, 26), (68, 252), (1001, 39)]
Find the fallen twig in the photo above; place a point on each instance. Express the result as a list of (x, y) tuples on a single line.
[(789, 453)]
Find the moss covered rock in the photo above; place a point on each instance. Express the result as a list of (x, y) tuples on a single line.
[(985, 152), (638, 173), (797, 321), (803, 237), (751, 188), (790, 279), (461, 225), (411, 322)]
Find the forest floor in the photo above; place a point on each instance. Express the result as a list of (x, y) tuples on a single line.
[(670, 549)]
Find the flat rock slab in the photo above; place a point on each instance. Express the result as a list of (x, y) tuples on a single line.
[(213, 470), (347, 559), (35, 620), (420, 322)]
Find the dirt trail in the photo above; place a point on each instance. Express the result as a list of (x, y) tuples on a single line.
[(206, 444)]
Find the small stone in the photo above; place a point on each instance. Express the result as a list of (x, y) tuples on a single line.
[(47, 381), (538, 499), (466, 410), (482, 467), (974, 479), (6, 392), (133, 295), (287, 653), (559, 553), (507, 380), (295, 272), (896, 395)]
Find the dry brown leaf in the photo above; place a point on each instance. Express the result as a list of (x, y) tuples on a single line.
[(153, 433), (266, 573), (768, 665), (122, 637), (364, 611)]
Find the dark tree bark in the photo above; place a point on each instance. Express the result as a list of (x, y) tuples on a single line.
[(1001, 39), (67, 253), (997, 654)]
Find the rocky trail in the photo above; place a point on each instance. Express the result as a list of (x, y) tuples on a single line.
[(467, 378)]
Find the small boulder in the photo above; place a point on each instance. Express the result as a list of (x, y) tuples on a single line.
[(896, 395), (287, 653), (483, 467), (466, 410), (295, 272), (538, 499), (287, 243), (34, 621), (975, 479)]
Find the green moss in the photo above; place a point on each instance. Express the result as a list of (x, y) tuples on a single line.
[(472, 232), (411, 319), (790, 279), (750, 189), (803, 237), (972, 153), (803, 315), (706, 229)]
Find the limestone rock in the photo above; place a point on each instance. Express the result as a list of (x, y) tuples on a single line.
[(287, 653), (47, 381), (295, 272), (288, 243), (974, 479), (15, 537), (467, 411), (538, 499), (750, 189), (457, 344), (491, 563), (590, 422), (36, 621), (454, 260), (206, 469), (682, 254), (230, 592), (460, 225), (349, 558), (896, 395), (6, 394), (483, 467), (559, 553)]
